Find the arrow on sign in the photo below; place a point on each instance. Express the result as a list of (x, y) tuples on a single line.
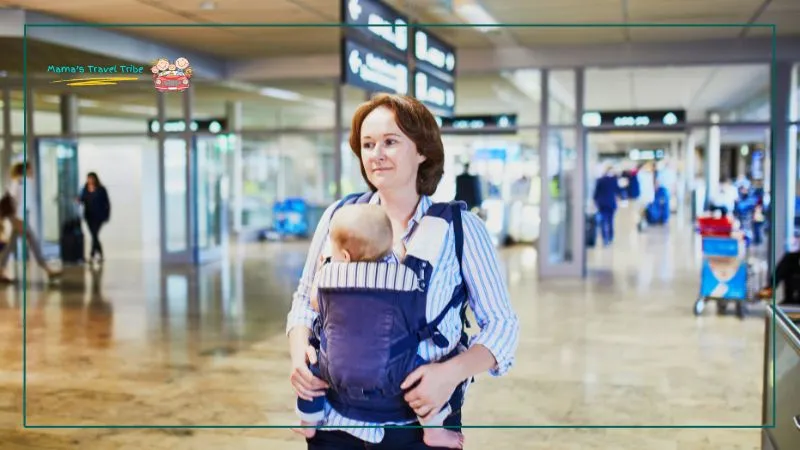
[(354, 8)]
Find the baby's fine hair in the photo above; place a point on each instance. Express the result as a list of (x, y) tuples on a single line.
[(363, 230)]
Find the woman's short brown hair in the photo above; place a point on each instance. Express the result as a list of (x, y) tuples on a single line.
[(416, 122)]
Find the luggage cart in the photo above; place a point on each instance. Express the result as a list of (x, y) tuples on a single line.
[(725, 272)]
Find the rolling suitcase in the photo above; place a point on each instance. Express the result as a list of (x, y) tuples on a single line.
[(591, 230), (72, 242)]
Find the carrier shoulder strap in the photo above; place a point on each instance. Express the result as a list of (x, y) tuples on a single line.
[(350, 199), (462, 299)]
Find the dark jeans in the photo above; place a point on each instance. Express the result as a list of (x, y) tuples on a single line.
[(94, 230), (606, 217), (394, 438)]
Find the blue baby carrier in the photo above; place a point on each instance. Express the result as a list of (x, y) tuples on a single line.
[(372, 320)]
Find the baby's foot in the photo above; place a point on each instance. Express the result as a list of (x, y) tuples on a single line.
[(442, 437), (308, 433)]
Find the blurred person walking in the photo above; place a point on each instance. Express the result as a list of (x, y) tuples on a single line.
[(96, 212)]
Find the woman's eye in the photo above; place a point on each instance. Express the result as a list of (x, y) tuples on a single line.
[(390, 142), (366, 145)]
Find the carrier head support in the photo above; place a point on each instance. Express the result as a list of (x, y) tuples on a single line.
[(360, 232)]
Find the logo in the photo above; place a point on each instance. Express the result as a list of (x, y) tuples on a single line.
[(169, 77)]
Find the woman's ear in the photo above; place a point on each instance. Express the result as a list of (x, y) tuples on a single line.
[(346, 256), (421, 158)]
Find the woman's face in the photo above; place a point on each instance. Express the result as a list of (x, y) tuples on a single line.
[(389, 157), (91, 181)]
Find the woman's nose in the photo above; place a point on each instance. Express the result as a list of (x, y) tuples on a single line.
[(378, 152)]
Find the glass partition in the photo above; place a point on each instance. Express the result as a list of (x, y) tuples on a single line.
[(175, 223), (558, 218)]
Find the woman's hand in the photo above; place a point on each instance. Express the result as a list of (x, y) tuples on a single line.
[(305, 384), (436, 383)]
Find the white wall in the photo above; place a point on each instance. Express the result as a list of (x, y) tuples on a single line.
[(49, 122), (128, 167)]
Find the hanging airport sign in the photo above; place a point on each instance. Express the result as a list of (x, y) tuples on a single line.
[(638, 154), (213, 126), (483, 124), (432, 51), (374, 19), (373, 70), (437, 94), (634, 119)]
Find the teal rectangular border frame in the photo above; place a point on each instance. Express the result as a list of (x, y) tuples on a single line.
[(25, 424)]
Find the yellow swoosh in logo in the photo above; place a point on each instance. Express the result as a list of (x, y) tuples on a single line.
[(104, 81)]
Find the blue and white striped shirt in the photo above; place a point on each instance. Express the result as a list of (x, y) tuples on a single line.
[(486, 287)]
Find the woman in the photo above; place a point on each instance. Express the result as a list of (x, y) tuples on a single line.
[(96, 211), (22, 182), (402, 157)]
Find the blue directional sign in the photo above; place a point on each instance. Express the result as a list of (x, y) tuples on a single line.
[(434, 53), (434, 92), (374, 20), (373, 70)]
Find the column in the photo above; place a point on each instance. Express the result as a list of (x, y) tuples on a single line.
[(711, 159), (187, 98), (161, 136), (689, 172), (68, 105), (578, 224), (784, 158), (234, 116), (338, 136), (29, 129), (8, 146), (543, 247)]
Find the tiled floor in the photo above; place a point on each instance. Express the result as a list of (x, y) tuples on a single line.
[(133, 346)]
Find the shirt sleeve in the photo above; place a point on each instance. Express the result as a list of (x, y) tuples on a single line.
[(488, 295), (301, 313)]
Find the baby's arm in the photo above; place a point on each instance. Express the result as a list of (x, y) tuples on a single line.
[(314, 302)]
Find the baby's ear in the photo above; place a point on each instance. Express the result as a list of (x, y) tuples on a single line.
[(346, 255)]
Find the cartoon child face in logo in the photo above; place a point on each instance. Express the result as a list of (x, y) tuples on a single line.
[(182, 63), (162, 64), (154, 69), (172, 67)]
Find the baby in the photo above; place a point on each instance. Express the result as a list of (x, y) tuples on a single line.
[(363, 232)]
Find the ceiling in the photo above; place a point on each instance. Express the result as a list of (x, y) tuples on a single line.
[(695, 89), (279, 38)]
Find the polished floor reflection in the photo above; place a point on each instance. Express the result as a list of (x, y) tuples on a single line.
[(133, 346)]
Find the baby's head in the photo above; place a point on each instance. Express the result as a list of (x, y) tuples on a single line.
[(360, 232)]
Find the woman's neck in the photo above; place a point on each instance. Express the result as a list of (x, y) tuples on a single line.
[(400, 205)]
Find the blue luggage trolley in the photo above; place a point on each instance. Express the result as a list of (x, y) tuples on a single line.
[(289, 219), (724, 272)]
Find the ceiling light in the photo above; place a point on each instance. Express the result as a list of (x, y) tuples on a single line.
[(208, 5), (280, 94), (474, 14)]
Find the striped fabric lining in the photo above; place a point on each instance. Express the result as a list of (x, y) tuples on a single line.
[(368, 275)]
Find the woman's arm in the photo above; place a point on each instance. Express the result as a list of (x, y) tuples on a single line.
[(487, 289), (493, 348)]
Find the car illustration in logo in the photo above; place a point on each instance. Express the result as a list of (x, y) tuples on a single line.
[(171, 83), (171, 77)]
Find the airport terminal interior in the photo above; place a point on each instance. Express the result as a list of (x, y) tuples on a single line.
[(639, 184)]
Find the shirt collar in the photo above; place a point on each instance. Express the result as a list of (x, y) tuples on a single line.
[(419, 213)]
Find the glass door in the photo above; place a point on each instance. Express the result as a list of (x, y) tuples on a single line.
[(561, 242), (211, 189), (54, 192), (174, 192)]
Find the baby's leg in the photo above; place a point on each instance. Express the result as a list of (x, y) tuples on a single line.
[(311, 413), (441, 437)]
